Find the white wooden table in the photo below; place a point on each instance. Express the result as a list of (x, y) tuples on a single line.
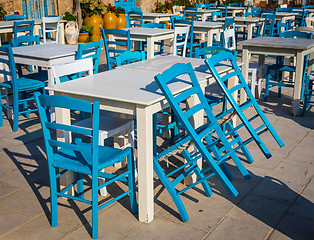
[(150, 35), (310, 10), (248, 22), (203, 14), (134, 92), (7, 27), (208, 28), (276, 46), (154, 17), (233, 10)]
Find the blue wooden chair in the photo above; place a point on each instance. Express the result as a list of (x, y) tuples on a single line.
[(256, 12), (214, 16), (21, 89), (159, 43), (275, 71), (90, 50), (129, 56), (308, 92), (14, 17), (190, 13), (136, 20), (202, 6), (196, 137), (81, 157), (238, 107), (269, 24), (192, 43), (300, 20), (228, 24), (211, 5), (224, 10), (112, 51), (235, 4), (26, 27)]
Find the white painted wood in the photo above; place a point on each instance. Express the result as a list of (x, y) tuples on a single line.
[(183, 32), (51, 25)]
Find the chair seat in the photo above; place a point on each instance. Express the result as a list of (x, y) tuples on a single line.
[(108, 126), (41, 75), (24, 84), (281, 67), (81, 161)]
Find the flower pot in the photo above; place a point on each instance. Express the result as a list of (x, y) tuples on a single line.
[(71, 32), (83, 37), (121, 21), (110, 20), (96, 21)]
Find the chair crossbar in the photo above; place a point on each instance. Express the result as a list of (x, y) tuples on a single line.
[(114, 200), (69, 128), (120, 43), (246, 105), (196, 108), (261, 127), (61, 173), (229, 75), (5, 72), (6, 106), (74, 198), (181, 167), (183, 175), (68, 187), (28, 111), (186, 94), (55, 143), (121, 178), (236, 88)]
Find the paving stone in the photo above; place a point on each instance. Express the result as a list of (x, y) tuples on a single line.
[(237, 229), (293, 228), (167, 230), (6, 188), (9, 221), (303, 208)]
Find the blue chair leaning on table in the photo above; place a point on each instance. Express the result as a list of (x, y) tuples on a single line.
[(194, 136), (240, 107), (83, 158), (21, 88), (14, 17)]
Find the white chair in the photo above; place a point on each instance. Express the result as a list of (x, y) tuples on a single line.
[(108, 126), (230, 43), (183, 33), (51, 26), (177, 10)]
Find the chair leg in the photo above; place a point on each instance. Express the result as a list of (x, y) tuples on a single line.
[(226, 171), (53, 196), (15, 112), (103, 191), (266, 87), (1, 110), (94, 208), (131, 182), (80, 189)]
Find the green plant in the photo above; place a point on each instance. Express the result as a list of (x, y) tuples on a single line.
[(111, 8), (69, 17), (92, 7), (90, 30), (2, 12), (164, 6), (120, 10)]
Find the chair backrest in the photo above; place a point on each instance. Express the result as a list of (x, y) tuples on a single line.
[(224, 10), (215, 15), (130, 56), (25, 41), (136, 20), (10, 70), (14, 17), (183, 32), (235, 4), (70, 71), (284, 9), (229, 23), (26, 27), (172, 18), (302, 21), (308, 6), (190, 13), (269, 24), (90, 50), (202, 6), (296, 34), (51, 25), (111, 45), (45, 104), (171, 76), (230, 39), (154, 25), (256, 12), (213, 50)]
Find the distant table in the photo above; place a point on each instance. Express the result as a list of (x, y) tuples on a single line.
[(7, 27), (279, 47), (134, 92), (150, 35), (311, 11), (248, 22), (202, 13), (208, 28), (233, 10), (155, 17)]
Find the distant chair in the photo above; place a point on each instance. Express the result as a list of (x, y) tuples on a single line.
[(83, 157), (22, 89), (235, 4), (158, 43), (112, 46), (190, 13), (51, 27), (223, 10), (14, 17), (269, 24), (308, 92), (215, 16), (129, 56), (23, 28), (180, 40), (135, 18)]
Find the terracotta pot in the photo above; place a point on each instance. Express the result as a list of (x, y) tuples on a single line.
[(97, 22), (83, 37), (71, 32), (121, 21), (110, 20)]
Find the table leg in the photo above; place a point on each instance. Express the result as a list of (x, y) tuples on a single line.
[(245, 67), (61, 33), (150, 47), (250, 31), (297, 84), (145, 164), (209, 38)]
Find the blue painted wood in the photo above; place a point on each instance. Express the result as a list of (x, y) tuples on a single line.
[(81, 157), (114, 50), (14, 17), (127, 5), (308, 92), (134, 21), (212, 64), (21, 89), (26, 27), (90, 50), (190, 15), (159, 43), (36, 9), (129, 56)]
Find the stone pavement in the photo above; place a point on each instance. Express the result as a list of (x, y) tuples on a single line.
[(277, 203)]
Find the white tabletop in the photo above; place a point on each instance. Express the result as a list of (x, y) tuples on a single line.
[(157, 15), (208, 24), (243, 19), (149, 31), (45, 51)]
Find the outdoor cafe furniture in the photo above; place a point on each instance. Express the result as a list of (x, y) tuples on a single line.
[(81, 157), (154, 17), (202, 14), (264, 46), (131, 89), (50, 27), (233, 11)]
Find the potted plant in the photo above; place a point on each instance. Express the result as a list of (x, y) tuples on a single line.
[(86, 34), (110, 18), (2, 12), (71, 28), (121, 21), (165, 7), (92, 11)]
